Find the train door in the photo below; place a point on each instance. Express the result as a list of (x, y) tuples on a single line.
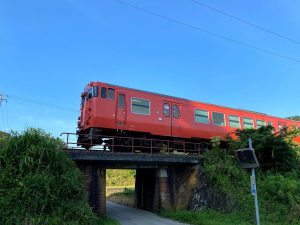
[(176, 126), (171, 114), (121, 109)]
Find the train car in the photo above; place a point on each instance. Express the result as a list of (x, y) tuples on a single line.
[(119, 111)]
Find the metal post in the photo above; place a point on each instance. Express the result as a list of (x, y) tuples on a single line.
[(67, 140), (253, 188)]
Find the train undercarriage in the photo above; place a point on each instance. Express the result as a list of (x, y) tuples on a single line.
[(138, 142)]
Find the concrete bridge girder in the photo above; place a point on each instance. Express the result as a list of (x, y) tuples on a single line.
[(160, 184)]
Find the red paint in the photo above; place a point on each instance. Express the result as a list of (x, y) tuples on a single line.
[(104, 113)]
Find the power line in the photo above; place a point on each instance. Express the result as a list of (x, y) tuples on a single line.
[(42, 103), (208, 32), (246, 22)]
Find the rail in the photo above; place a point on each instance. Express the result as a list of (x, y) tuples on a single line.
[(107, 143)]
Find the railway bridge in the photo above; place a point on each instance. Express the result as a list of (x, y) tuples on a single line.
[(163, 181)]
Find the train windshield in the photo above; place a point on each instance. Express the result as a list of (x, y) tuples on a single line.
[(83, 100), (92, 92)]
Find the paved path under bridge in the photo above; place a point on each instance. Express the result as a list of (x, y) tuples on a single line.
[(131, 216)]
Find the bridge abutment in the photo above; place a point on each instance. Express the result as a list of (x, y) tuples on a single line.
[(169, 188), (163, 182), (95, 186)]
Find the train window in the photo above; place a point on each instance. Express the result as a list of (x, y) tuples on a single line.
[(90, 94), (166, 109), (111, 93), (83, 101), (175, 111), (121, 101), (260, 123), (140, 106), (234, 121), (279, 126), (103, 92), (201, 116), (218, 119), (248, 123), (270, 123), (95, 91)]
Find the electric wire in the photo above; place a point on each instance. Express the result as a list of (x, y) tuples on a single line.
[(245, 21), (41, 103), (220, 36)]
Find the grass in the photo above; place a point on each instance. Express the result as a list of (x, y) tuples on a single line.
[(206, 217), (123, 198), (107, 221), (209, 217)]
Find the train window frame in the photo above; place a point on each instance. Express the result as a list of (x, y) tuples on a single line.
[(213, 120), (175, 114), (230, 120), (249, 118), (95, 91), (83, 100), (259, 126), (123, 105), (103, 92), (168, 112), (141, 113), (89, 93), (203, 110), (111, 93)]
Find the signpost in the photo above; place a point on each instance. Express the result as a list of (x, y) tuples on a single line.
[(247, 160)]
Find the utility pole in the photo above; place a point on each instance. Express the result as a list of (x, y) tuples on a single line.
[(3, 98)]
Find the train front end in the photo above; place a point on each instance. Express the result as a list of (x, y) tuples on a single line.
[(86, 117)]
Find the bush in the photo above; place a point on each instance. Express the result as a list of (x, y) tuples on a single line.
[(274, 151), (278, 189), (39, 184)]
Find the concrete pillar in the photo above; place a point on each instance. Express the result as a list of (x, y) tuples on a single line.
[(170, 188), (165, 192), (95, 185)]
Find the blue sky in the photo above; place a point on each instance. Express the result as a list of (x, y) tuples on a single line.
[(49, 50)]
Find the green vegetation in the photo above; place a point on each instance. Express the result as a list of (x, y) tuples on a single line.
[(39, 184), (126, 197), (229, 198), (121, 178), (207, 217), (297, 118)]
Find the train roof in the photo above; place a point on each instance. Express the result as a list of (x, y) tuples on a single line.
[(184, 99)]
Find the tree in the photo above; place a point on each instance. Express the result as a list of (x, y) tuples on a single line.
[(297, 118), (275, 151)]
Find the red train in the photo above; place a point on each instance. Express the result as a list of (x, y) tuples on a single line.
[(118, 111)]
